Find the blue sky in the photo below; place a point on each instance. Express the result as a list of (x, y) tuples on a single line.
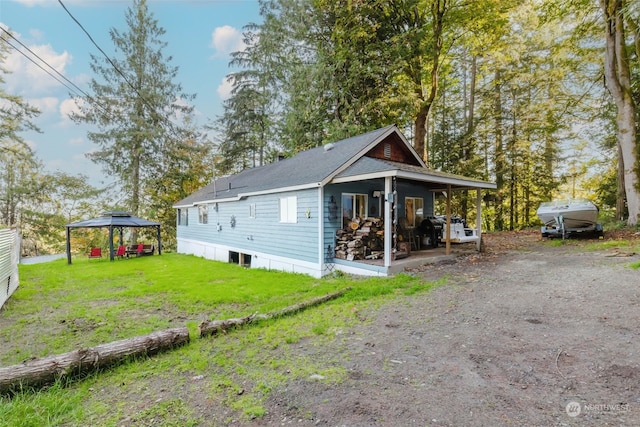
[(200, 35)]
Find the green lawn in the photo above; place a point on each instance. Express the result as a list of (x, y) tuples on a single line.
[(59, 308)]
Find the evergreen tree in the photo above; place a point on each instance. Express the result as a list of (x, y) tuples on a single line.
[(135, 107)]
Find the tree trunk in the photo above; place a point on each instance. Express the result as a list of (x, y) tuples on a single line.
[(621, 198), (39, 372), (438, 10), (499, 161), (215, 327), (618, 81)]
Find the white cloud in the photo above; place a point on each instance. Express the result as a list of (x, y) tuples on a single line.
[(76, 141), (33, 3), (224, 89), (227, 39), (28, 79), (45, 105), (69, 106)]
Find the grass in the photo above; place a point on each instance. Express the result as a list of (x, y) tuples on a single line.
[(60, 307)]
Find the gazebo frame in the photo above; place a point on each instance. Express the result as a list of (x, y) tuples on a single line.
[(112, 220)]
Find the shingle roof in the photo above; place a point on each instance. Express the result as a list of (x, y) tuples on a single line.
[(317, 166), (308, 167)]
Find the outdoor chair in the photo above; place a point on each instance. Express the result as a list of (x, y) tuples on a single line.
[(95, 253), (121, 252)]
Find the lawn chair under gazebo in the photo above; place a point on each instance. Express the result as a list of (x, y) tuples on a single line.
[(112, 220)]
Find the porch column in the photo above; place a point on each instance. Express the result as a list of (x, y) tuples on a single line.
[(68, 245), (479, 218), (111, 242), (448, 236), (388, 238)]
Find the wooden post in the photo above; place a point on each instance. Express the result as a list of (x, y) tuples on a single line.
[(448, 236), (479, 219)]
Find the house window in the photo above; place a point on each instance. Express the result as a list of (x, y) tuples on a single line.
[(289, 209), (203, 214), (414, 209), (252, 210), (353, 206), (183, 216)]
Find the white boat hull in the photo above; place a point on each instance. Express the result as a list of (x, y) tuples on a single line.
[(572, 214)]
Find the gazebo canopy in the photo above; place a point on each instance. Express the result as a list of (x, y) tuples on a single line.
[(111, 220)]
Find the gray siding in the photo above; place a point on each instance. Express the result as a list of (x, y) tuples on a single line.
[(264, 233)]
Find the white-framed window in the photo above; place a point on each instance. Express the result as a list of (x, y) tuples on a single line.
[(252, 210), (203, 214), (414, 209), (183, 216), (353, 206), (289, 209)]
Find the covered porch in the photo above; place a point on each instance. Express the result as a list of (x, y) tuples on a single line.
[(395, 178)]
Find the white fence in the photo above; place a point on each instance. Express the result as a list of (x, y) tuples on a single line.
[(9, 260)]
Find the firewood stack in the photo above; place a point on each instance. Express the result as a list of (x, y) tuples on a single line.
[(361, 239)]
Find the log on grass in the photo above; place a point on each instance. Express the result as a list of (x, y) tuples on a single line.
[(214, 327), (45, 371)]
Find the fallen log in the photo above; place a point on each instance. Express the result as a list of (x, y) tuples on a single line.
[(44, 371), (215, 327)]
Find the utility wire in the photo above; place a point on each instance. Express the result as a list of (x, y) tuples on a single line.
[(73, 90), (43, 61), (115, 67)]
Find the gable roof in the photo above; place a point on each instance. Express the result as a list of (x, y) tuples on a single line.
[(310, 169)]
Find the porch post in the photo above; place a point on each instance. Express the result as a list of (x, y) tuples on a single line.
[(111, 242), (448, 236), (68, 245), (388, 238), (479, 218)]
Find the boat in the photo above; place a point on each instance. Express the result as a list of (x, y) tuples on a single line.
[(563, 217)]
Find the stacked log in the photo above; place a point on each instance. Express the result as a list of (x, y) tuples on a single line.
[(361, 239)]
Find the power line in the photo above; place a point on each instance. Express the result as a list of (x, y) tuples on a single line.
[(43, 61), (115, 67)]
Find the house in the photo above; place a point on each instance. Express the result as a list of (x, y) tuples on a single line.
[(291, 215)]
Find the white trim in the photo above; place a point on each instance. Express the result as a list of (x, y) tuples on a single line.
[(241, 196), (357, 156), (460, 183)]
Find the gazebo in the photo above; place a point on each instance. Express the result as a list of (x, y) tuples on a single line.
[(112, 220)]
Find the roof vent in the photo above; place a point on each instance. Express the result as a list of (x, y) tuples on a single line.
[(328, 147)]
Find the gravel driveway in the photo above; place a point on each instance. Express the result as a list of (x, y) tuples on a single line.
[(527, 334)]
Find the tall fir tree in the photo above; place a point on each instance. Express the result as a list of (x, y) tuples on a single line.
[(135, 106)]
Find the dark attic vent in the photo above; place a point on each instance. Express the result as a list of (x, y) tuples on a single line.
[(387, 150)]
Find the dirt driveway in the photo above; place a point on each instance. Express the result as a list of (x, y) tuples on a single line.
[(527, 334)]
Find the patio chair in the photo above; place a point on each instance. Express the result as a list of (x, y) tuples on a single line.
[(95, 253), (121, 252)]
